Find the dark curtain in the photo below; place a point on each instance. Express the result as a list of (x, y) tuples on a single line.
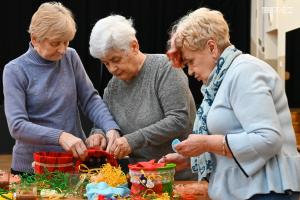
[(292, 85), (152, 19)]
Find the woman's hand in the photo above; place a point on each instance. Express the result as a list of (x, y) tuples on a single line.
[(194, 145), (73, 144), (111, 135), (121, 148), (180, 161), (97, 139)]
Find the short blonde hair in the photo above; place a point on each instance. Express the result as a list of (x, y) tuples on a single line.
[(53, 21), (195, 29)]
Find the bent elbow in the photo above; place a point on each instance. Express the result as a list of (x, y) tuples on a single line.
[(15, 129), (184, 123), (274, 143)]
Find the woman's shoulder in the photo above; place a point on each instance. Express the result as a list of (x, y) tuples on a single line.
[(247, 70), (15, 70), (157, 61), (16, 64), (163, 70), (249, 61), (249, 65), (71, 52)]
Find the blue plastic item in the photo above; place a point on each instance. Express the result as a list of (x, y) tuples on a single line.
[(174, 143)]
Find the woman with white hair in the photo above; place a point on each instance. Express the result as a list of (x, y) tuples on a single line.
[(43, 89), (243, 142), (150, 100)]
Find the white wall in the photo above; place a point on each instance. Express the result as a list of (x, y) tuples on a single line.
[(270, 20)]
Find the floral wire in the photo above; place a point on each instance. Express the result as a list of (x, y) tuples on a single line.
[(58, 181)]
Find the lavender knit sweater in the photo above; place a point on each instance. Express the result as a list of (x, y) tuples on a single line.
[(42, 99)]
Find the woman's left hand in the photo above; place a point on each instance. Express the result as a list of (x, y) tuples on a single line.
[(194, 145), (122, 148)]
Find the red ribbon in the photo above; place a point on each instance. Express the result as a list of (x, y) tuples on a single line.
[(148, 166), (98, 152)]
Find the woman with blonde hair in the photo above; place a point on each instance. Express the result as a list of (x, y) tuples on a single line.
[(43, 89), (243, 142)]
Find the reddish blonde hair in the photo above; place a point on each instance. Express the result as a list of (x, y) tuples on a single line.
[(194, 30)]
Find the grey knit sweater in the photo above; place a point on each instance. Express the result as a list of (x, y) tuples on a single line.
[(41, 101), (153, 108)]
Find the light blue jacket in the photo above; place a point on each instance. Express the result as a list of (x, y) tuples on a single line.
[(251, 108)]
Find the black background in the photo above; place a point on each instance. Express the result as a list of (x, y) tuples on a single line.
[(152, 20), (292, 67)]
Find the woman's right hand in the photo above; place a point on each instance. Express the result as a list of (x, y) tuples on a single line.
[(73, 144), (96, 139), (181, 162)]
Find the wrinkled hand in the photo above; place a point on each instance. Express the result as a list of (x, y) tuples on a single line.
[(73, 144), (197, 189), (181, 162), (111, 135), (194, 145), (121, 148), (97, 139)]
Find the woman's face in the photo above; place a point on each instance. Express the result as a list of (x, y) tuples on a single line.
[(122, 64), (200, 62), (50, 49)]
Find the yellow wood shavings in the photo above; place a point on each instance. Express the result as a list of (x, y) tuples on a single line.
[(113, 176)]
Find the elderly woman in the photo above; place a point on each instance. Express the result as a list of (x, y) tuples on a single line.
[(43, 88), (149, 99), (243, 140)]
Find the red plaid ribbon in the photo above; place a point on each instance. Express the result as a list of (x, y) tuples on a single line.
[(53, 161), (63, 162)]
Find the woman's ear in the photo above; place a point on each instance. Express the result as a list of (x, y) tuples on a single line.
[(213, 48), (135, 46), (34, 40)]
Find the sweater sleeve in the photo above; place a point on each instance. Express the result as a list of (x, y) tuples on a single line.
[(177, 105), (20, 127), (251, 96), (89, 99)]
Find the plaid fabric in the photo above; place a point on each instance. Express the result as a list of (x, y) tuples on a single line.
[(64, 162), (53, 161)]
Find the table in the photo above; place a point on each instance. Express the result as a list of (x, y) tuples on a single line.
[(176, 183)]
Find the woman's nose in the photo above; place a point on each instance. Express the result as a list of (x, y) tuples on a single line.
[(112, 68), (62, 48), (190, 71)]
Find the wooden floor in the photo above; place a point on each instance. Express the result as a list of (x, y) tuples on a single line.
[(5, 161)]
